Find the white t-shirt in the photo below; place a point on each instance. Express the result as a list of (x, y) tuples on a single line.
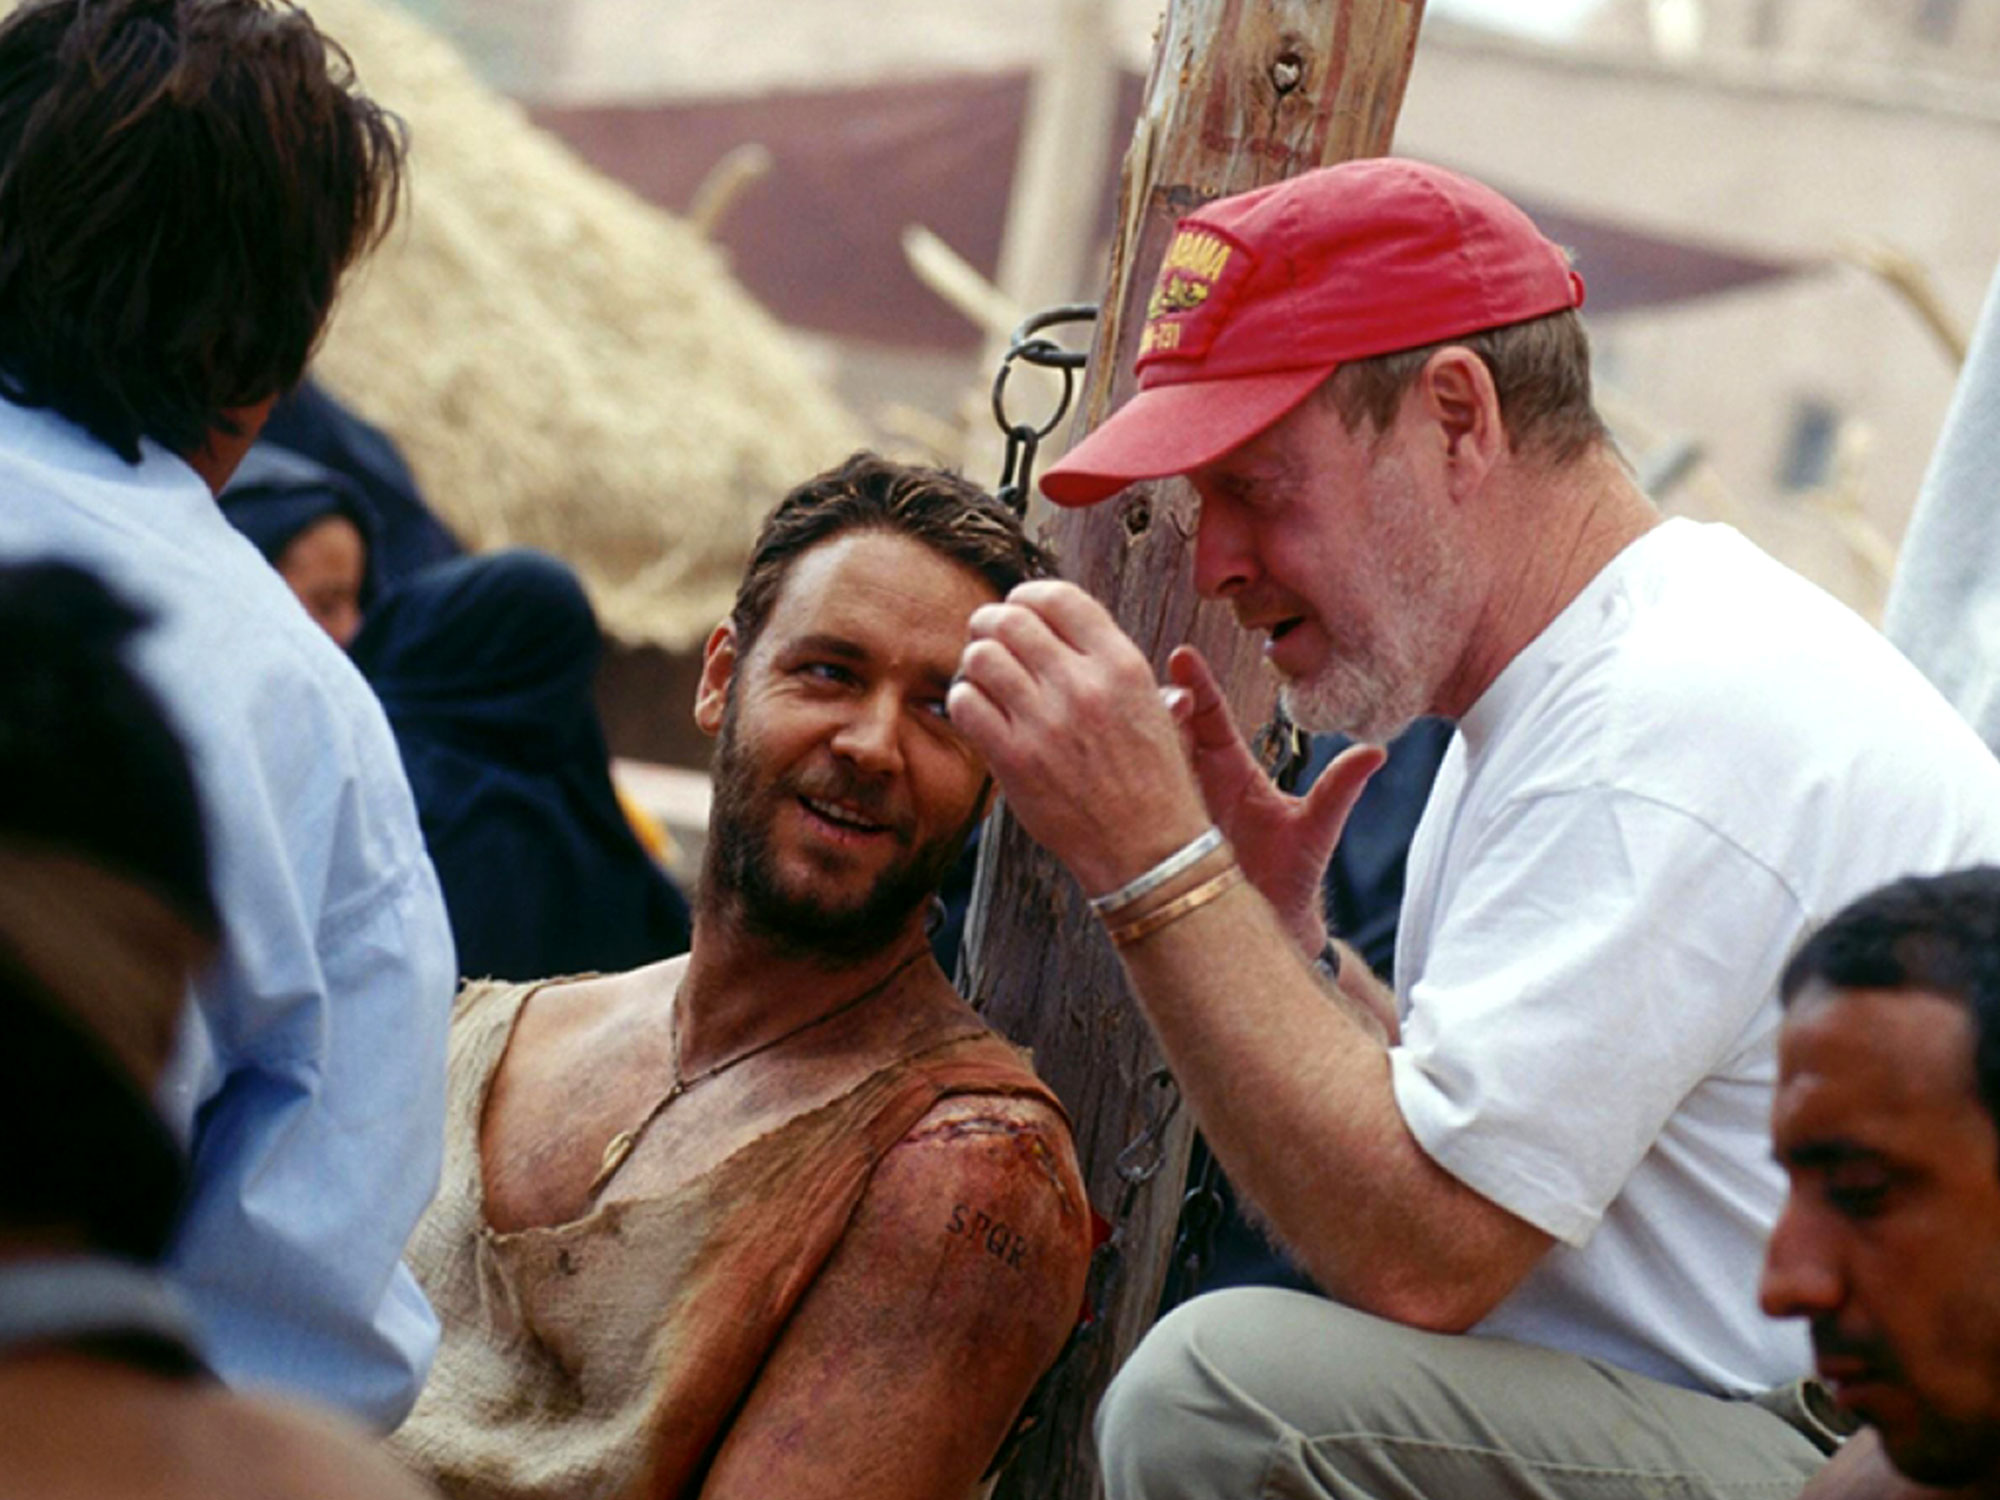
[(1699, 759)]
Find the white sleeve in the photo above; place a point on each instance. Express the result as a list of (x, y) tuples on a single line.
[(1602, 955), (1941, 611)]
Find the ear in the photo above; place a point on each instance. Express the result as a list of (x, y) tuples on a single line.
[(718, 668), (226, 443), (1458, 396)]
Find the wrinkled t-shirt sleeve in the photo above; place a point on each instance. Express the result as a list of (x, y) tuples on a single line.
[(1602, 955)]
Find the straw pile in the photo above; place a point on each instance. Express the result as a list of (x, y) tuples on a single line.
[(565, 366)]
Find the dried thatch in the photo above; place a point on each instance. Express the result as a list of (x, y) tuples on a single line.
[(565, 366)]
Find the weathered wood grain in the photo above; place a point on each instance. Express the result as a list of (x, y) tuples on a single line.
[(1242, 92)]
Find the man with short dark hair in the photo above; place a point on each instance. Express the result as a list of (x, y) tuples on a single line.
[(781, 1216), (182, 185), (1672, 756), (1889, 1242)]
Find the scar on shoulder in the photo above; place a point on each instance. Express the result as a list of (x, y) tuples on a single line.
[(1028, 1134)]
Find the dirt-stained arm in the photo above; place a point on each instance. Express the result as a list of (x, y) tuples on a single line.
[(955, 1286)]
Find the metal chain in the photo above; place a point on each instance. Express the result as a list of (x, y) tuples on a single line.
[(1203, 1211), (1280, 747), (1138, 1164), (1024, 440)]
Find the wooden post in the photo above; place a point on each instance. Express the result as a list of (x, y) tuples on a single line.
[(1046, 244), (1242, 92)]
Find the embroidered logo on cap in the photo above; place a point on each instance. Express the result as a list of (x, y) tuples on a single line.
[(1199, 278)]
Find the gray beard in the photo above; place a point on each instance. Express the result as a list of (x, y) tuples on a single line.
[(1358, 705)]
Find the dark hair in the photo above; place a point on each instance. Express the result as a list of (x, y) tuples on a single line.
[(1935, 933), (1541, 373), (92, 774), (949, 514), (87, 1148), (88, 762), (182, 183)]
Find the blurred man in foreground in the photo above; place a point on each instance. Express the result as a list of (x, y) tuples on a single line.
[(105, 914), (182, 185)]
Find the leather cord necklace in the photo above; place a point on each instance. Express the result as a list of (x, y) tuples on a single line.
[(619, 1147)]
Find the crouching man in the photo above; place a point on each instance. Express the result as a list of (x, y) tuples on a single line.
[(1889, 1243), (780, 1216)]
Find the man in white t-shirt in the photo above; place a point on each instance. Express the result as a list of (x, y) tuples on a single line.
[(1673, 756)]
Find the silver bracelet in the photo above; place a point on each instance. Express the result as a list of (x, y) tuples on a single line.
[(1184, 858)]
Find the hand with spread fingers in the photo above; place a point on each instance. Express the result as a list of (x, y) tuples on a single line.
[(1283, 842), (1066, 711)]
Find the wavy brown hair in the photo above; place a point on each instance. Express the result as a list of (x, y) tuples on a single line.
[(951, 515), (182, 184)]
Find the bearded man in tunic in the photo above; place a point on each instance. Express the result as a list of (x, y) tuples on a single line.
[(780, 1216)]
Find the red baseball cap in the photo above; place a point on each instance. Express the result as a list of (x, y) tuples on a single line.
[(1261, 296)]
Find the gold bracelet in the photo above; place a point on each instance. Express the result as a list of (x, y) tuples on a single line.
[(1179, 907)]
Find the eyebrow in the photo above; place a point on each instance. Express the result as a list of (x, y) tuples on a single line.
[(827, 645), (843, 649)]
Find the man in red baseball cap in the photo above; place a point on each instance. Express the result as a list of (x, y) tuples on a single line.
[(1672, 755)]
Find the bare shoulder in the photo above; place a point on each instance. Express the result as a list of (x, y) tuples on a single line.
[(76, 1426), (959, 1277), (279, 1450), (984, 1197), (1002, 1170)]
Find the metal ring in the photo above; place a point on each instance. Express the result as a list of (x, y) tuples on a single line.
[(1047, 351)]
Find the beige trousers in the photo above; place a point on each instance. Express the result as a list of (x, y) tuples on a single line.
[(1264, 1393)]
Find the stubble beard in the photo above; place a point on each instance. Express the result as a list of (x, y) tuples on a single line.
[(1934, 1446), (1385, 675), (1943, 1451), (740, 868)]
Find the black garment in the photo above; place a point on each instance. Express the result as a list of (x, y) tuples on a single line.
[(310, 423), (484, 666), (1364, 898)]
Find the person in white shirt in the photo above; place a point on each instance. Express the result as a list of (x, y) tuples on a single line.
[(1672, 757)]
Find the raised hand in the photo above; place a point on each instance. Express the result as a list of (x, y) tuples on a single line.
[(1282, 842), (1066, 711)]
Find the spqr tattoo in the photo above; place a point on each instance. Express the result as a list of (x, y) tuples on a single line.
[(1001, 1241)]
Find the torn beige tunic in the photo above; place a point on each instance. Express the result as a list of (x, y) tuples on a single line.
[(606, 1357)]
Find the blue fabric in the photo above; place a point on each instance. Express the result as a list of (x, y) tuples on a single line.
[(484, 666), (1364, 883), (275, 494), (309, 1085), (312, 424)]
